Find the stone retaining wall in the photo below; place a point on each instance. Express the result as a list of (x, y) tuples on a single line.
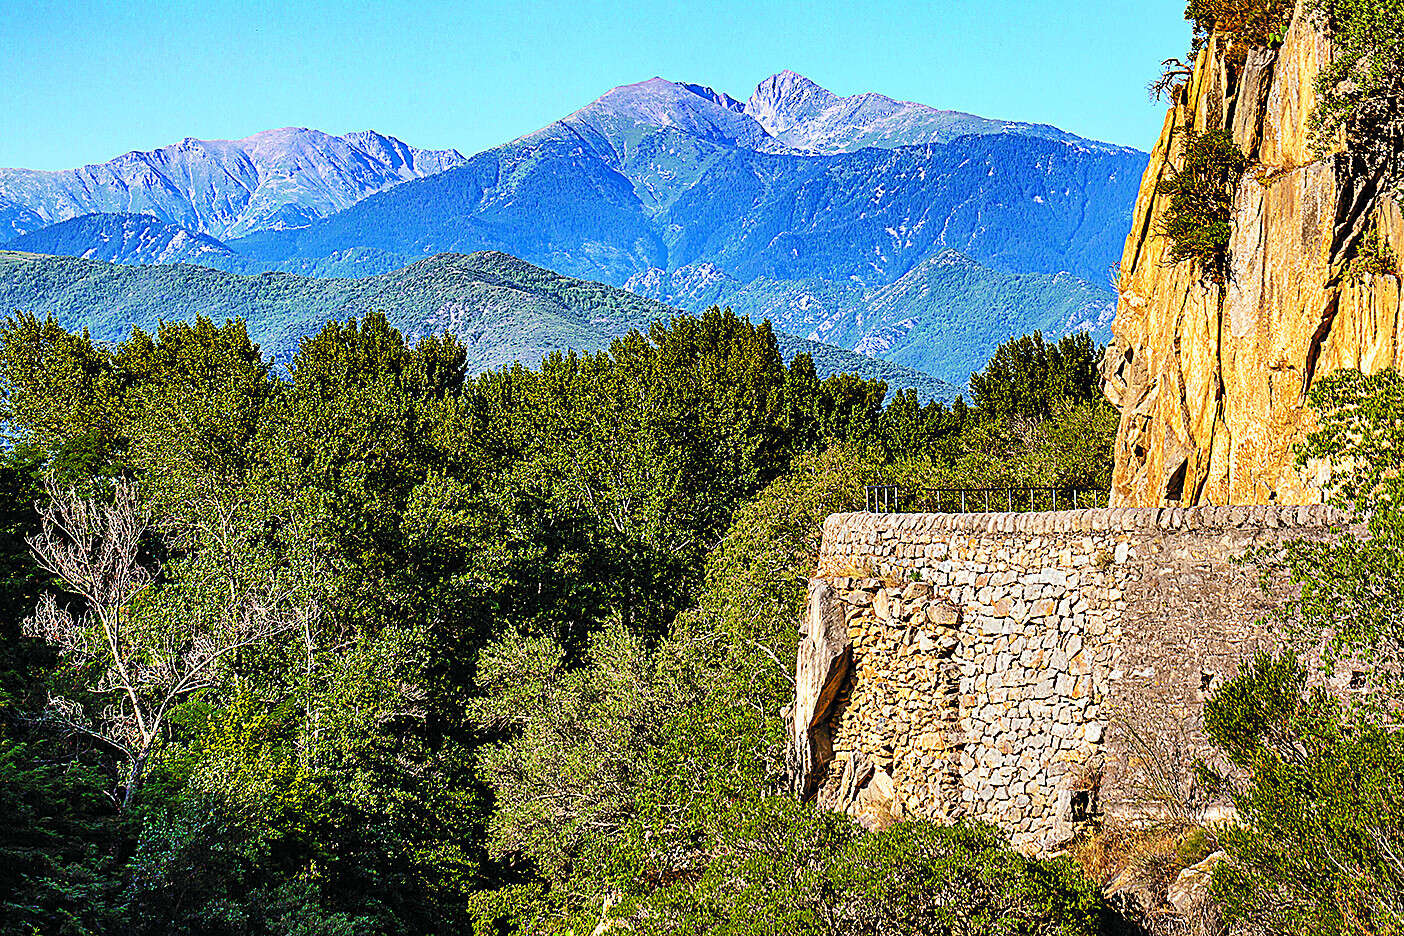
[(1032, 670)]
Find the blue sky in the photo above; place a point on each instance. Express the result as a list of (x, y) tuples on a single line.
[(84, 82)]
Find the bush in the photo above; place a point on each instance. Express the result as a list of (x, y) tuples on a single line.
[(786, 870), (1199, 221), (1373, 257), (1322, 815), (1361, 92), (1255, 22)]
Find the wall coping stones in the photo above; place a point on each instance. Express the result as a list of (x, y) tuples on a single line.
[(1102, 519)]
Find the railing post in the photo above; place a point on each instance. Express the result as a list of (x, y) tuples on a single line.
[(962, 500)]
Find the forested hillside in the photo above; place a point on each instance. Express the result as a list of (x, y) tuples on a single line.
[(500, 308)]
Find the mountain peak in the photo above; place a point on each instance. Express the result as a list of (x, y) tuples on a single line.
[(661, 104), (784, 101), (277, 178), (804, 116)]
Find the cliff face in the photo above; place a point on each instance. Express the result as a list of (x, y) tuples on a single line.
[(1211, 379)]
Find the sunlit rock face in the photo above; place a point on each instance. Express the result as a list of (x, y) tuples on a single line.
[(1211, 380)]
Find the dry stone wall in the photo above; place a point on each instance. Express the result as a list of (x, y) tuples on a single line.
[(1031, 670)]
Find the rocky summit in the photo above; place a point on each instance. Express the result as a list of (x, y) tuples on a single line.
[(803, 116), (224, 188)]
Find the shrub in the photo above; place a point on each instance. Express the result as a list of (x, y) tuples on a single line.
[(1199, 220), (788, 871), (1373, 257), (1322, 815), (1361, 92), (1255, 22)]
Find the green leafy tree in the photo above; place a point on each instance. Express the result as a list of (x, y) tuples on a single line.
[(1353, 587), (1028, 376), (58, 834), (1253, 22), (1360, 93)]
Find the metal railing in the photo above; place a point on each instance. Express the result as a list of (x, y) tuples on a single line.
[(891, 498)]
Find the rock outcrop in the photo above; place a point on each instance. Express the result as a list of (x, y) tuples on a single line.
[(1212, 379), (822, 667)]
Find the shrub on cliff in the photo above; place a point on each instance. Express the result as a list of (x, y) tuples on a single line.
[(1198, 221), (1361, 92), (1257, 22)]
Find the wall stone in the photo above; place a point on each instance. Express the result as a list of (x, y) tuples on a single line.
[(995, 666)]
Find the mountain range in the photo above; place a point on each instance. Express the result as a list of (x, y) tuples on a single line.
[(226, 188), (917, 235)]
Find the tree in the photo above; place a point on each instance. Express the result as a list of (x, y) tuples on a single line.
[(1360, 93), (61, 393), (1321, 803), (1353, 586), (1028, 377), (139, 663), (57, 833)]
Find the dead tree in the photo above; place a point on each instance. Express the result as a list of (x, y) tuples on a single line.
[(144, 663)]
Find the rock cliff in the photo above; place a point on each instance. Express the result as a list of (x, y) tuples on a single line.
[(1211, 380)]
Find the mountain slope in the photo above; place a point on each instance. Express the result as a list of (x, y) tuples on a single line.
[(225, 188), (124, 238), (944, 317), (798, 205), (1010, 202), (502, 309)]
